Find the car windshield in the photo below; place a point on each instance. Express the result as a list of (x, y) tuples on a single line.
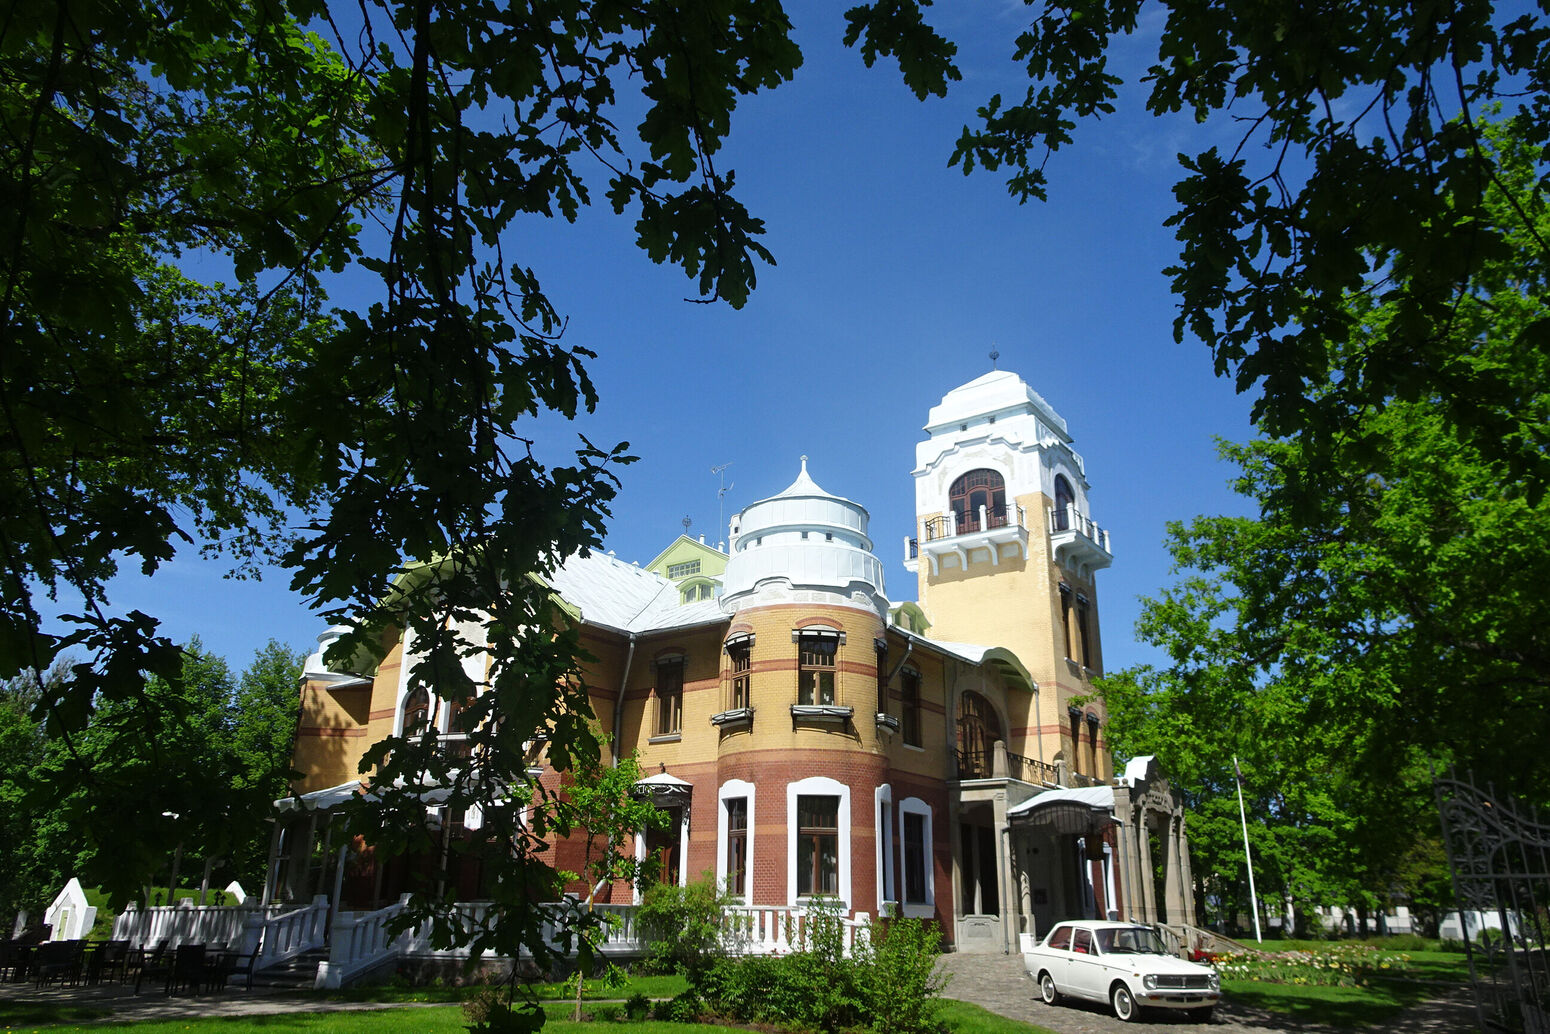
[(1130, 940)]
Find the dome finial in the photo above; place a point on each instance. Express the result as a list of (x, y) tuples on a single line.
[(804, 463)]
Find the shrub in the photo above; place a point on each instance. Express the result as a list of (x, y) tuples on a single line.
[(683, 926), (489, 1011), (1340, 965), (904, 986), (637, 1006), (686, 1008)]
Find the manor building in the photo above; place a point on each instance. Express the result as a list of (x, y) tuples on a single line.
[(942, 759)]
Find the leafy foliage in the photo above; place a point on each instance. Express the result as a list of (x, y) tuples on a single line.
[(190, 187), (1361, 169), (684, 925), (111, 808), (890, 986), (1383, 614)]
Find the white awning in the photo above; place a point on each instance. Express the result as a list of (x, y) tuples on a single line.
[(1078, 810)]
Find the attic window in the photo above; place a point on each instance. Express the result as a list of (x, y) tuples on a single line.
[(683, 570)]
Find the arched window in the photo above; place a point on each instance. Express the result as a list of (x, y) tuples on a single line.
[(1065, 500), (973, 490), (417, 712), (978, 728)]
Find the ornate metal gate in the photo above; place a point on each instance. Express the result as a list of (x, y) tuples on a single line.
[(1499, 854)]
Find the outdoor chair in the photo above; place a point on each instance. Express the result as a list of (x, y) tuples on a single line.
[(10, 958), (188, 969), (109, 959), (58, 960), (155, 964)]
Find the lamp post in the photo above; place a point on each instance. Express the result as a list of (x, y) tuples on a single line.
[(177, 858), (1247, 854)]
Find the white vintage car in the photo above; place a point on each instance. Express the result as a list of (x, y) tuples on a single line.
[(1123, 964)]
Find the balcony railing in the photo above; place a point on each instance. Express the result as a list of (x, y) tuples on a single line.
[(1029, 770), (967, 522), (1069, 518)]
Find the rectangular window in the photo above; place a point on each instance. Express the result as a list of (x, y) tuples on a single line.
[(737, 844), (670, 696), (742, 673), (818, 846), (1082, 630), (684, 570), (909, 689), (815, 678), (1065, 620), (915, 861)]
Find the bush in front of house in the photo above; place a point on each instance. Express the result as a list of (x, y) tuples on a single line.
[(888, 985), (682, 926)]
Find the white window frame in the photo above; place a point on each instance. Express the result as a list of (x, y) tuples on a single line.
[(887, 874), (817, 786), (732, 789), (918, 910)]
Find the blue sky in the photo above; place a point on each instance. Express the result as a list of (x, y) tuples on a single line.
[(896, 276)]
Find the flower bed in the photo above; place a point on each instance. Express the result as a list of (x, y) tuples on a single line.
[(1339, 965)]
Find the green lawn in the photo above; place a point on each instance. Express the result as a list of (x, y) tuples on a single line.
[(1348, 1007), (448, 1019)]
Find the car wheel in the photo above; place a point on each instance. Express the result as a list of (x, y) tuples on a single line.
[(1124, 1003), (1203, 1015), (1047, 989)]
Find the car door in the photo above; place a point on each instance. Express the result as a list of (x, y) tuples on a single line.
[(1057, 957), (1086, 970)]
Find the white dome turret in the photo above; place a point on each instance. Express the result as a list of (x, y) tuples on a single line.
[(806, 538)]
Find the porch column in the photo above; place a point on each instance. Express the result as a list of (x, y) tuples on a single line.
[(272, 872), (1148, 886), (1188, 874), (1173, 900)]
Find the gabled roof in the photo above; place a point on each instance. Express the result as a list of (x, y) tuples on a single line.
[(608, 592), (713, 561)]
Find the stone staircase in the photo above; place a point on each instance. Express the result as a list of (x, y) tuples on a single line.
[(298, 973)]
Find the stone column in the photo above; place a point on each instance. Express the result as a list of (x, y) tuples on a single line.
[(1148, 884), (1173, 899), (1189, 875)]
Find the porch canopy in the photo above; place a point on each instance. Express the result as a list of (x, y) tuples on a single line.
[(1075, 810), (333, 796), (663, 790)]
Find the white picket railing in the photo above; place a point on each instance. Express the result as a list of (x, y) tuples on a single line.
[(284, 935), (184, 923), (777, 929), (361, 941)]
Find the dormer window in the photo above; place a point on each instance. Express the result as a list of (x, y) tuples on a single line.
[(683, 570)]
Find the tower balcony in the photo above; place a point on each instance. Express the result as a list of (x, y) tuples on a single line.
[(956, 534), (1077, 542)]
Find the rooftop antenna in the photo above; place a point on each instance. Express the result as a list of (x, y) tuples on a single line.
[(721, 494), (994, 355)]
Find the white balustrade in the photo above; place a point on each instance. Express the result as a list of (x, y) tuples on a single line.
[(359, 942), (182, 924), (284, 935)]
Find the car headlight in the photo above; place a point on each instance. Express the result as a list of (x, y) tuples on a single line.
[(1150, 981), (1216, 981)]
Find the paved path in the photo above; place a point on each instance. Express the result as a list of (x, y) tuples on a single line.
[(1001, 984), (124, 1005)]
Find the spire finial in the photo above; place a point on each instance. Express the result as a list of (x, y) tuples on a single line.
[(994, 355), (804, 463), (686, 522)]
